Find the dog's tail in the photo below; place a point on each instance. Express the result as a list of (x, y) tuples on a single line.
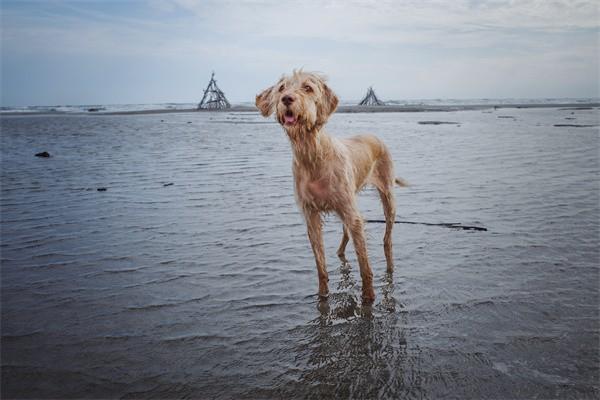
[(401, 182)]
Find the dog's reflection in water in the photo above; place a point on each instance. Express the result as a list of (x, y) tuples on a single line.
[(354, 349)]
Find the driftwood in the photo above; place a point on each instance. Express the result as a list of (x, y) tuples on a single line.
[(454, 225), (214, 98), (371, 99), (574, 126), (438, 123)]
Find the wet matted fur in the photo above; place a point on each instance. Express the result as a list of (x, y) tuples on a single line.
[(328, 172)]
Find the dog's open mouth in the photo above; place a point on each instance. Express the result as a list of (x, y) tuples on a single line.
[(289, 118)]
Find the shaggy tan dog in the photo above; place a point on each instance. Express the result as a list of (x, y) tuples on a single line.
[(328, 172)]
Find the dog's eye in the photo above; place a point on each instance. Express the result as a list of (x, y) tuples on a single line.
[(281, 88), (308, 89)]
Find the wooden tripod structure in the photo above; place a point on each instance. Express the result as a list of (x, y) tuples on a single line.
[(371, 99), (213, 98)]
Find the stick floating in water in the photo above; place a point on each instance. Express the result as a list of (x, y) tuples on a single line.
[(454, 225)]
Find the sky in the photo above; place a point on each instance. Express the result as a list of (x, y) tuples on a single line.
[(57, 52)]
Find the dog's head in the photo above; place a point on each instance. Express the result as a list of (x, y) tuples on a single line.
[(301, 101)]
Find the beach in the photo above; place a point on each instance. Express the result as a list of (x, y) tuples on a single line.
[(160, 254), (345, 108)]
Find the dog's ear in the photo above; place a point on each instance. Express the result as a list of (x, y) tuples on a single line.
[(264, 102), (329, 103)]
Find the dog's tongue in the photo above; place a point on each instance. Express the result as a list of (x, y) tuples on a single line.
[(289, 119)]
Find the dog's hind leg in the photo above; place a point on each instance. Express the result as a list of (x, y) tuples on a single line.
[(384, 180), (314, 225), (389, 210), (341, 252)]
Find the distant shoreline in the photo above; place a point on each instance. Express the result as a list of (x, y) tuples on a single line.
[(340, 109)]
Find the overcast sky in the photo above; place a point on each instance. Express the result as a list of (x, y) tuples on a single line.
[(100, 52)]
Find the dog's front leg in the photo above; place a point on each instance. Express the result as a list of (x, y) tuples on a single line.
[(354, 223), (314, 226)]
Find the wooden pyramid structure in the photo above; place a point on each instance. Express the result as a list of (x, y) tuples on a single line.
[(371, 99), (214, 98)]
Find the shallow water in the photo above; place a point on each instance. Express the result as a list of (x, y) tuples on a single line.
[(206, 288)]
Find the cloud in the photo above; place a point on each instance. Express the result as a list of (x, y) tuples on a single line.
[(407, 49), (377, 22), (200, 24)]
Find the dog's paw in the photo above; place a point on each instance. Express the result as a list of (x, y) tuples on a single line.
[(368, 296)]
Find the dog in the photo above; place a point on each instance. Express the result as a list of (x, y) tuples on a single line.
[(329, 172)]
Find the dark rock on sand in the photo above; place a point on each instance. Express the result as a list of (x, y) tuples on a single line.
[(93, 109), (43, 154), (168, 184), (101, 189), (438, 123)]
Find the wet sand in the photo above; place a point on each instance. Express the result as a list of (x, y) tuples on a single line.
[(190, 275), (342, 109)]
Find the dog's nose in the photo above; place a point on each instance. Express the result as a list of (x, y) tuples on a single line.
[(287, 100)]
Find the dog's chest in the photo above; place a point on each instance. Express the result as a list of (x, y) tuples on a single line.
[(318, 189), (315, 192)]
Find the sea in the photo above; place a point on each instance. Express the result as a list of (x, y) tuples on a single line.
[(163, 256)]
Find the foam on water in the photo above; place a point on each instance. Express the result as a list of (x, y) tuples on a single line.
[(97, 108), (206, 288)]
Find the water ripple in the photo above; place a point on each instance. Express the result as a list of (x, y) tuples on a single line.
[(191, 276)]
